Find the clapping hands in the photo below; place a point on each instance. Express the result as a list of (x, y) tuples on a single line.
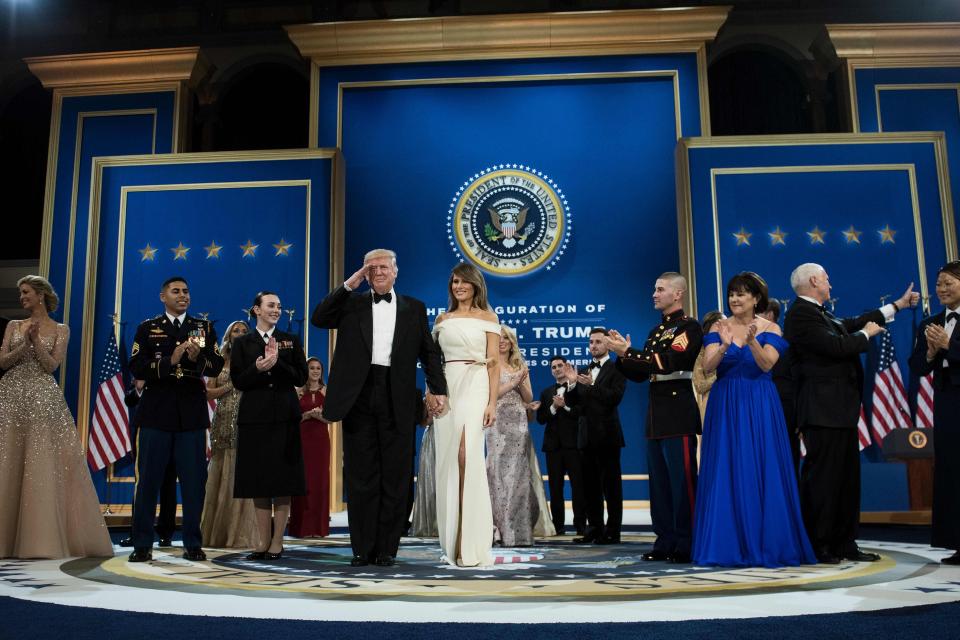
[(937, 338), (725, 332), (617, 342), (269, 357)]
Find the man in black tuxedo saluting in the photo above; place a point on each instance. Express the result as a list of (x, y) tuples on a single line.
[(826, 365), (372, 387)]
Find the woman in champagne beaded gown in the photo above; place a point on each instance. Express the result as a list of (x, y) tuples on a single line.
[(48, 506), (469, 335), (226, 521)]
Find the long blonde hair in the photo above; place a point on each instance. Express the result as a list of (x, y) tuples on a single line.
[(468, 273), (226, 346), (514, 358)]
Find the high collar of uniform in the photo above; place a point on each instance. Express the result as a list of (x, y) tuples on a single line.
[(676, 315)]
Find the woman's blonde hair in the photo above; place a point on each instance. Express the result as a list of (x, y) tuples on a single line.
[(468, 273), (514, 357), (42, 286), (226, 346)]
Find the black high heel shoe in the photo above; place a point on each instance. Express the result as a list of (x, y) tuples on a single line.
[(274, 556), (257, 555)]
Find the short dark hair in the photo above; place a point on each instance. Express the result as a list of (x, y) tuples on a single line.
[(171, 280), (257, 300), (560, 358), (711, 319), (773, 306), (750, 282), (602, 330)]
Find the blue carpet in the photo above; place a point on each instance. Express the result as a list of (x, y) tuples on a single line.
[(31, 621)]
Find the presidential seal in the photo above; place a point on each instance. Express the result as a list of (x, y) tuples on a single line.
[(509, 220)]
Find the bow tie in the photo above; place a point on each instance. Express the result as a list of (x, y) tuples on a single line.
[(378, 297), (594, 365), (953, 315)]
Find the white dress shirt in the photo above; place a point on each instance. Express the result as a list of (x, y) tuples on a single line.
[(561, 390), (266, 335), (384, 325), (596, 370), (181, 317)]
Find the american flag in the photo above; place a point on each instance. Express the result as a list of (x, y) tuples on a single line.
[(109, 426), (862, 431), (890, 408), (924, 417)]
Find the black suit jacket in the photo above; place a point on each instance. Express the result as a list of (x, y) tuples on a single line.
[(174, 396), (942, 376), (597, 403), (825, 354), (351, 314), (269, 397), (561, 429)]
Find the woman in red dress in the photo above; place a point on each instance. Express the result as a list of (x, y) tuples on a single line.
[(310, 514)]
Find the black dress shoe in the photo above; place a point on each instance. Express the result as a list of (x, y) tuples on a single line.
[(359, 561), (609, 540), (140, 555), (679, 558), (126, 542), (257, 555), (954, 559), (194, 553), (826, 557), (587, 538), (861, 556), (384, 560), (655, 556), (165, 542)]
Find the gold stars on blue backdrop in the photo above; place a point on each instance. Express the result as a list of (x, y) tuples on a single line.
[(282, 247), (179, 252), (148, 253), (213, 250), (249, 249), (815, 236)]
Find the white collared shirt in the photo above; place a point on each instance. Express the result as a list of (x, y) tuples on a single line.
[(561, 391), (266, 335), (596, 370), (384, 325), (181, 317)]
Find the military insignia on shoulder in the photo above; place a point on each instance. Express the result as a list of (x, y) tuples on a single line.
[(680, 343), (135, 350)]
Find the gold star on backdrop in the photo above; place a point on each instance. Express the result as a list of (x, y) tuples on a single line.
[(852, 235), (213, 249), (180, 252), (148, 253), (249, 249), (816, 235), (283, 248), (886, 235), (777, 236), (743, 237)]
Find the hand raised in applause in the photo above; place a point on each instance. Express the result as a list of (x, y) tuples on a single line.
[(520, 378), (569, 373), (33, 333), (752, 330), (192, 350), (269, 357), (616, 342), (937, 339), (559, 402), (910, 298), (725, 331)]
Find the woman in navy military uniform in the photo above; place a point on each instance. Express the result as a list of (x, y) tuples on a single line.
[(938, 351), (268, 365)]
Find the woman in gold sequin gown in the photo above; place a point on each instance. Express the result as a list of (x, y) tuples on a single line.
[(48, 506), (226, 521)]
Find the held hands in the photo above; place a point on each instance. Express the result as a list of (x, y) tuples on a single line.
[(937, 339), (616, 342), (436, 405), (872, 328), (269, 357), (910, 298)]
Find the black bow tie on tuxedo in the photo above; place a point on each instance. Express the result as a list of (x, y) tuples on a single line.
[(953, 315), (378, 297), (594, 365)]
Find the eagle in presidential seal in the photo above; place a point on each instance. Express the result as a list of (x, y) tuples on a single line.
[(509, 220)]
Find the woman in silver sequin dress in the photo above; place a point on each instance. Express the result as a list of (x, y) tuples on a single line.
[(519, 509), (48, 506), (226, 521)]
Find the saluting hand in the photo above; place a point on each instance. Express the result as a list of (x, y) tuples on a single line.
[(357, 278)]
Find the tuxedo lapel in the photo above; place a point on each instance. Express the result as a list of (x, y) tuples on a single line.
[(398, 327), (604, 370), (365, 303)]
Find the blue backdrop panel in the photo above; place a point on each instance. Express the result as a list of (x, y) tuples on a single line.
[(848, 206), (914, 99), (92, 126), (601, 130), (231, 228)]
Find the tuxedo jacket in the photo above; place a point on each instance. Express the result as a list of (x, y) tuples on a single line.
[(825, 360), (942, 375), (599, 420), (561, 429), (351, 314), (269, 397)]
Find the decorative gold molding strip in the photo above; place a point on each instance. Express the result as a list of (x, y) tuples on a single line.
[(118, 67), (501, 36), (917, 39)]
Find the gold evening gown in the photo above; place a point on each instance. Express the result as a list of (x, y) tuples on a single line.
[(48, 506)]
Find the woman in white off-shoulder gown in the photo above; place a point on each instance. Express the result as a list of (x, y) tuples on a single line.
[(469, 335)]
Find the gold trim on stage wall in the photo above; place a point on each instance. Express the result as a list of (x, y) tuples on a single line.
[(116, 68), (314, 127), (684, 196), (532, 35), (536, 77), (896, 39), (93, 234), (337, 244)]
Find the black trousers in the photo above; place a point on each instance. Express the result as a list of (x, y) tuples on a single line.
[(790, 417), (154, 451), (672, 466), (602, 483), (830, 488), (377, 465), (559, 463), (167, 520)]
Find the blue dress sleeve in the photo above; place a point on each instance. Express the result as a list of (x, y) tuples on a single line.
[(711, 338), (778, 342)]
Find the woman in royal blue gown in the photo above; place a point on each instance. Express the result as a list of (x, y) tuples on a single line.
[(747, 508)]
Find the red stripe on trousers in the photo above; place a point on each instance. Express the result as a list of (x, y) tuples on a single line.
[(686, 468)]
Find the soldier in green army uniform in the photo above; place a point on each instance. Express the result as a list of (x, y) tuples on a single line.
[(172, 353), (673, 419)]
